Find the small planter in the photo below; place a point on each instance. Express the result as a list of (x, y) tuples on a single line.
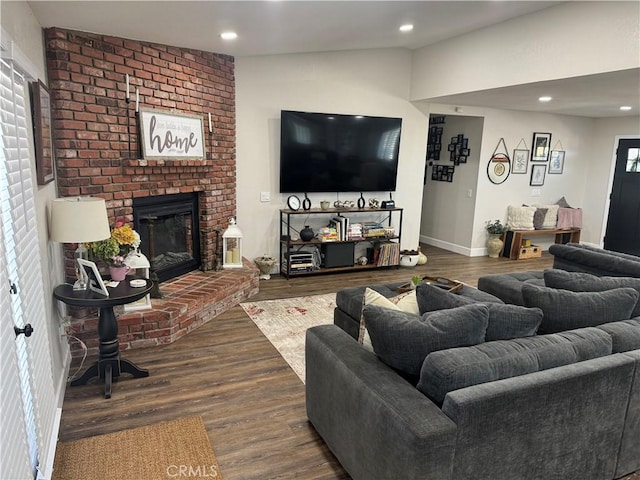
[(494, 245)]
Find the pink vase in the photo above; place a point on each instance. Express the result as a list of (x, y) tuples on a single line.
[(118, 273)]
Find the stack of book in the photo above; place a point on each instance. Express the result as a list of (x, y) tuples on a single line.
[(298, 263), (373, 229), (388, 254), (328, 234), (341, 224), (354, 232)]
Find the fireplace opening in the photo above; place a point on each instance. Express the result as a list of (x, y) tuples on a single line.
[(169, 232)]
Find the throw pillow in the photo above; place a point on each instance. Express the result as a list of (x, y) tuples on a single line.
[(505, 321), (403, 340), (538, 218), (585, 282), (520, 218), (563, 203), (564, 310), (405, 302), (550, 221)]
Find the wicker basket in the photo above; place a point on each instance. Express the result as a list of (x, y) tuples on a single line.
[(533, 251)]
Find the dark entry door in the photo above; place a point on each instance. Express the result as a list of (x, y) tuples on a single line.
[(623, 224)]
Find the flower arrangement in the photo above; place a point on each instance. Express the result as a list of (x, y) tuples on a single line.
[(114, 249), (495, 227)]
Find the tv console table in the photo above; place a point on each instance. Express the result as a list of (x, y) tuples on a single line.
[(339, 249)]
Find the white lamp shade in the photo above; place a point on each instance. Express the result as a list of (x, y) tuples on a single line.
[(79, 220)]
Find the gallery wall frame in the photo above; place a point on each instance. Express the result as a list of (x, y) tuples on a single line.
[(556, 161), (42, 132), (520, 161), (540, 147), (538, 173)]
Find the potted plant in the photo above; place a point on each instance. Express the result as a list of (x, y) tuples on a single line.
[(495, 244), (114, 250)]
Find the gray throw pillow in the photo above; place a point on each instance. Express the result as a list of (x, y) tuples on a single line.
[(585, 282), (403, 340), (505, 321), (538, 218), (564, 310)]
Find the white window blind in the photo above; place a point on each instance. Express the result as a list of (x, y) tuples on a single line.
[(22, 267)]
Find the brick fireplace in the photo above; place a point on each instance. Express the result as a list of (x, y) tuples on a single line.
[(96, 132)]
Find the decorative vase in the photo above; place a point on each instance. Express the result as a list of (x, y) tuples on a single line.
[(494, 245), (306, 234), (119, 273), (265, 263)]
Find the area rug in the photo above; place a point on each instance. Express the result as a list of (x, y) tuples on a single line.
[(285, 321), (176, 449)]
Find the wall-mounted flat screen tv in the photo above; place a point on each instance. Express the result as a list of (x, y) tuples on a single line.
[(321, 152)]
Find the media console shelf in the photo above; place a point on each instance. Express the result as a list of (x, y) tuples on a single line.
[(338, 256)]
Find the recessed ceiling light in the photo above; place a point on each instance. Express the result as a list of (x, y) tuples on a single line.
[(228, 35), (625, 108), (406, 28), (545, 99)]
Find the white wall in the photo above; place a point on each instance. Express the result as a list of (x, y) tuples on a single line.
[(20, 24), (601, 167), (372, 82), (447, 209), (568, 40)]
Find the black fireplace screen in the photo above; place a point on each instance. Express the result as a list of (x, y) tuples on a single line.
[(169, 233)]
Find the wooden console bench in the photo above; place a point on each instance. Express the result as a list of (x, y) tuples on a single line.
[(513, 239)]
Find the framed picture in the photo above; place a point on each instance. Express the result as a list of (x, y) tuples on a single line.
[(520, 161), (538, 173), (171, 136), (556, 161), (92, 275), (42, 131), (540, 147)]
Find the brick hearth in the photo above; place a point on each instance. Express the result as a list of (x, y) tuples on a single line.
[(188, 302), (96, 141)]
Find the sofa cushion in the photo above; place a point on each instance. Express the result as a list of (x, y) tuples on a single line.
[(455, 368), (565, 310), (403, 340), (508, 286), (505, 321), (577, 257), (349, 300), (585, 282), (625, 334), (405, 302)]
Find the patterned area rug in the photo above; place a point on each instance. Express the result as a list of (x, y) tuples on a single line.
[(285, 321)]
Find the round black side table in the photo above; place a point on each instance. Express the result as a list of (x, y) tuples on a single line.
[(109, 365)]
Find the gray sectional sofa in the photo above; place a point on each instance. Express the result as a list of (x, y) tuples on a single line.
[(559, 405)]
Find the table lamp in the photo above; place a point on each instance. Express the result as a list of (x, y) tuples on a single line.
[(79, 220)]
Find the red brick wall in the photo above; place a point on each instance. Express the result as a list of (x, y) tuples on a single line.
[(95, 131)]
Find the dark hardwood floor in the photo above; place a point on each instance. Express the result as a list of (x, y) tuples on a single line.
[(227, 371)]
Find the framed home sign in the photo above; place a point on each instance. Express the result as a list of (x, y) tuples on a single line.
[(42, 131), (166, 135)]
